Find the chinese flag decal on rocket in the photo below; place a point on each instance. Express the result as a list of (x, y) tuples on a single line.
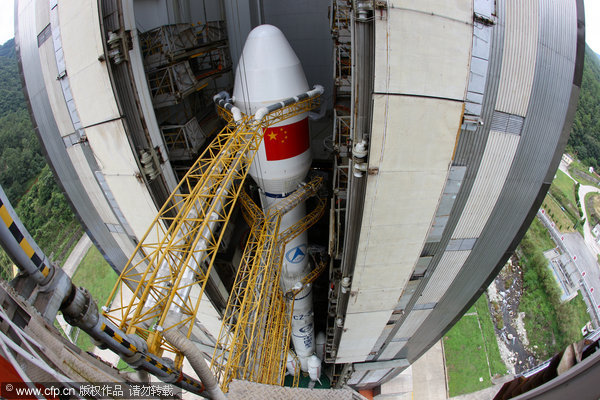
[(287, 141)]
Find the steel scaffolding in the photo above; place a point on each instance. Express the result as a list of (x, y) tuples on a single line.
[(176, 255)]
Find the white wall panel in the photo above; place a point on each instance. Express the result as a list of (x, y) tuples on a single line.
[(95, 103), (88, 77), (113, 155), (412, 144), (361, 331), (496, 162), (443, 276), (89, 182), (518, 59), (431, 50), (42, 13), (409, 133), (460, 10)]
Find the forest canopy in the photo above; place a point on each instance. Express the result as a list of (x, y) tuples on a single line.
[(584, 141), (24, 175)]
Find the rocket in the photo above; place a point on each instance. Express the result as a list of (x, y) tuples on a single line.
[(268, 72)]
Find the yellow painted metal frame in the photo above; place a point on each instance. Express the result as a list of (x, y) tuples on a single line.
[(182, 238), (254, 338)]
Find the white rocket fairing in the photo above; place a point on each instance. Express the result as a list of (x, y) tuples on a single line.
[(268, 72)]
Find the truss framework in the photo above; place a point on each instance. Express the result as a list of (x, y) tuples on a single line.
[(169, 269), (254, 339)]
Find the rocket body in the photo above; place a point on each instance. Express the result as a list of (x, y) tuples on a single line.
[(268, 72)]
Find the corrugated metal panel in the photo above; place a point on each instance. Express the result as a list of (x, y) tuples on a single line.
[(497, 160), (444, 274), (520, 51), (421, 267), (542, 141), (412, 323), (461, 244), (44, 35), (503, 122), (425, 306), (62, 72)]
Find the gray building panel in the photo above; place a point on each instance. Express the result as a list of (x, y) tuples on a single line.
[(469, 153), (542, 143), (54, 147)]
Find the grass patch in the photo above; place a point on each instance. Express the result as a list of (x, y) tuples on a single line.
[(98, 278), (487, 328), (465, 357), (123, 366), (539, 236), (566, 186), (592, 208), (465, 347), (550, 324), (581, 174), (580, 310), (554, 210)]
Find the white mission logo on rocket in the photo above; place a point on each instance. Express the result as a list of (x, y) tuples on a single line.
[(296, 254)]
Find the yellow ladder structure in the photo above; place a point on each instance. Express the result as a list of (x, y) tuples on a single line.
[(178, 251), (254, 338)]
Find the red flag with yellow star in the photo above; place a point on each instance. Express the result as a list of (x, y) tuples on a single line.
[(287, 141)]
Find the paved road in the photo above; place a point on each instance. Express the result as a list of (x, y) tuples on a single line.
[(583, 191), (587, 265), (587, 230), (582, 250), (74, 259)]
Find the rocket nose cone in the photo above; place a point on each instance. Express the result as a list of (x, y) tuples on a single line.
[(265, 31), (268, 70), (267, 42)]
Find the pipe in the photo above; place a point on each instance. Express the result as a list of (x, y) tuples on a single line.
[(82, 311), (77, 305), (194, 356), (20, 246), (262, 112), (222, 99)]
